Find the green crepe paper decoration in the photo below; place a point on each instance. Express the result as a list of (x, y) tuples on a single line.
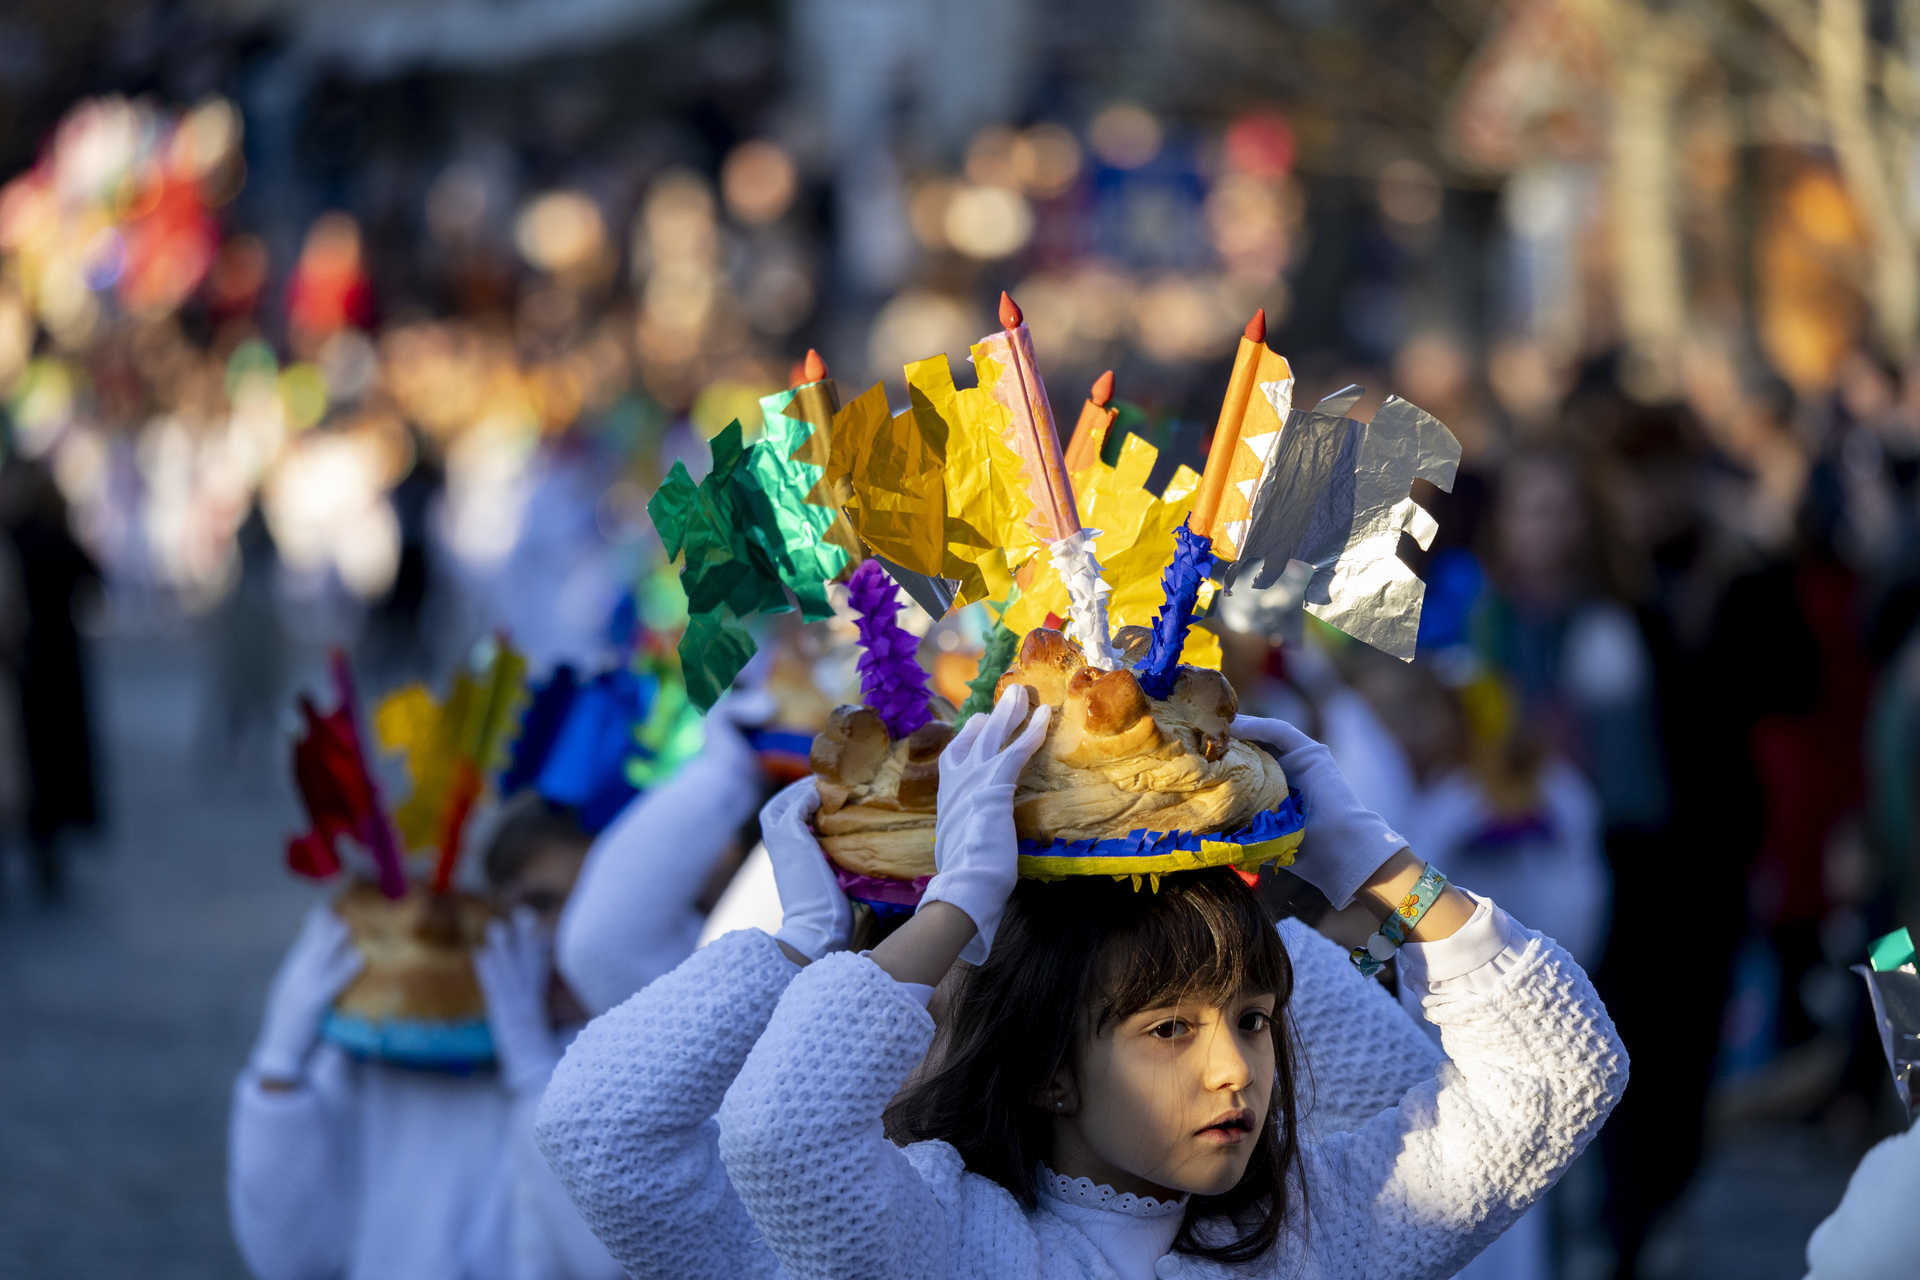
[(725, 572), (1891, 952), (710, 523), (790, 530), (713, 650), (1002, 644)]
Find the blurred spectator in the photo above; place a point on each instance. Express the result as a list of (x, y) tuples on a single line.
[(50, 674), (246, 673)]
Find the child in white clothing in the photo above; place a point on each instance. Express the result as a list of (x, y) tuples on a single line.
[(362, 1170), (1118, 1095)]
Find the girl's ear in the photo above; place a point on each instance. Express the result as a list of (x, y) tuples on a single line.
[(1059, 1097)]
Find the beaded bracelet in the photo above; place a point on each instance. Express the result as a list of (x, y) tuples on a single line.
[(1400, 922)]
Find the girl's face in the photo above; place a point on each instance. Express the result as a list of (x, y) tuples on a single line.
[(1167, 1101)]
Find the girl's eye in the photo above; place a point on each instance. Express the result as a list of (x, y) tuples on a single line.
[(1171, 1029), (1255, 1020)]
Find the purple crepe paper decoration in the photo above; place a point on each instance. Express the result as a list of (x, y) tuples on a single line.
[(892, 680), (1191, 566)]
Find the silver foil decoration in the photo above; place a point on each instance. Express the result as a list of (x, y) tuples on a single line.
[(1336, 497), (935, 595)]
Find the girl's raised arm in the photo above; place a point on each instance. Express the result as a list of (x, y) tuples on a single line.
[(628, 1118), (627, 1121), (1534, 1064), (1534, 1069), (1360, 1051), (800, 1130)]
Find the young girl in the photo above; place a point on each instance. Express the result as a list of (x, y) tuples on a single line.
[(628, 1119), (1118, 1100), (343, 1168)]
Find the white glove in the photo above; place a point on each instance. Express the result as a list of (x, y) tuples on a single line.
[(815, 916), (976, 854), (320, 965), (515, 968), (1345, 841)]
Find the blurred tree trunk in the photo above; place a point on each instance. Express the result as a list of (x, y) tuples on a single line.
[(1873, 163), (1640, 189), (1868, 102), (1650, 54)]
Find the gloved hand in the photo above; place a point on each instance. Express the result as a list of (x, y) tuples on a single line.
[(515, 967), (319, 966), (815, 916), (1345, 842), (976, 854)]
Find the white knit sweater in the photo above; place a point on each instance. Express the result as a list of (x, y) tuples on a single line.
[(1414, 1192), (628, 1119)]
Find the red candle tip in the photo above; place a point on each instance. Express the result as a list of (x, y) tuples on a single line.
[(1009, 311), (1102, 389), (1256, 330), (814, 367)]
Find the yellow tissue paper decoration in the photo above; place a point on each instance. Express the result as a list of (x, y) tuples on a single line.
[(472, 724), (1134, 548), (1280, 851), (894, 466), (986, 531)]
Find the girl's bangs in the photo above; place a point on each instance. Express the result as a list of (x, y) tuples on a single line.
[(1210, 940)]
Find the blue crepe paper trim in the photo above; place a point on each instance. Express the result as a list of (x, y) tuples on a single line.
[(1283, 819), (781, 742), (540, 726), (575, 740), (1191, 565), (587, 766), (885, 910), (460, 1048)]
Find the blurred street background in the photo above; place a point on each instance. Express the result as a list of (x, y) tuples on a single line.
[(374, 323)]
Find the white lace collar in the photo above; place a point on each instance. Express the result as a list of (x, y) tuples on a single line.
[(1092, 1195)]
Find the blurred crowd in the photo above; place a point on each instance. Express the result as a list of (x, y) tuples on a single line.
[(274, 365)]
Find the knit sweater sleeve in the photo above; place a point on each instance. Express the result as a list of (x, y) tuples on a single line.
[(290, 1178), (1357, 1051), (1534, 1069), (800, 1131), (550, 1238), (628, 1124)]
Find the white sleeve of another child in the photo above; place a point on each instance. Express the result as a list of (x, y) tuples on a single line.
[(627, 1122), (1874, 1234), (634, 914), (290, 1174), (1534, 1069)]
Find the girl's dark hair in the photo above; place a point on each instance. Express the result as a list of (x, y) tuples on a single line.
[(1105, 946)]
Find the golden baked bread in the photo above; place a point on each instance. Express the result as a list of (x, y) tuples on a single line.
[(1114, 761), (876, 795), (418, 952)]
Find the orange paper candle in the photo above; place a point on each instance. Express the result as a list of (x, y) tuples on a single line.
[(1252, 414), (1090, 432), (1010, 373)]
